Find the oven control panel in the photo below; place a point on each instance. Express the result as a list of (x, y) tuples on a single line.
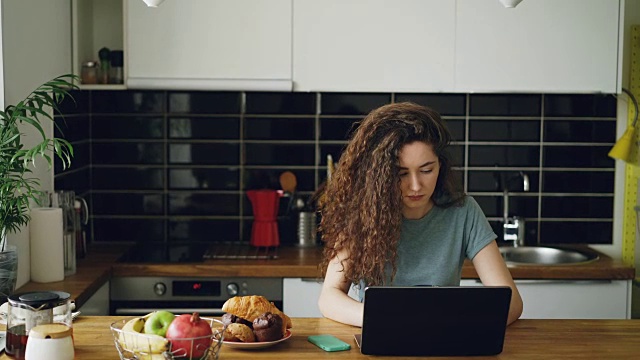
[(196, 288)]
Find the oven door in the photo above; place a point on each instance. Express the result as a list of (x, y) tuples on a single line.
[(135, 296)]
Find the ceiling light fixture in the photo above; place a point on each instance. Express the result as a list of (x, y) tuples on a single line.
[(153, 3), (510, 3)]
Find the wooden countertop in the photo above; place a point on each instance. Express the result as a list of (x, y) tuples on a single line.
[(101, 264), (299, 262), (525, 339)]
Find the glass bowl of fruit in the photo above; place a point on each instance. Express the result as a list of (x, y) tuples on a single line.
[(161, 335)]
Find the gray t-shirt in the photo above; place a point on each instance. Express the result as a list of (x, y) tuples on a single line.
[(432, 249)]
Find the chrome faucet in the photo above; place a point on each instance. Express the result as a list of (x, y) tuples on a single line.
[(513, 226)]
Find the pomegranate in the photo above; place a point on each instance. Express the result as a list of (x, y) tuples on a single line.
[(182, 331)]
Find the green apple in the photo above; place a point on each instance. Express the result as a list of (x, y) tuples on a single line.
[(158, 322)]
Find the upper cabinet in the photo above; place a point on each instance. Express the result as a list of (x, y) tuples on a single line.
[(209, 44), (548, 46), (539, 46), (377, 45)]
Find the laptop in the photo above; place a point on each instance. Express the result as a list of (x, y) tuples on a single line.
[(434, 321)]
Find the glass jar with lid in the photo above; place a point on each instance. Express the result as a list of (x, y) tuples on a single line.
[(89, 73)]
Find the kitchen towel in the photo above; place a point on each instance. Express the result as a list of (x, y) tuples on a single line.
[(47, 256)]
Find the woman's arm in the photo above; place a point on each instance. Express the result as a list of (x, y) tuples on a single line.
[(334, 301), (493, 272)]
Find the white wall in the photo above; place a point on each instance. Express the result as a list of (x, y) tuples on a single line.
[(631, 17), (36, 46)]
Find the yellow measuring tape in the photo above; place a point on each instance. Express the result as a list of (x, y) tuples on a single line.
[(631, 171)]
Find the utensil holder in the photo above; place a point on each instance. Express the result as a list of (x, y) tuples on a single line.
[(307, 229)]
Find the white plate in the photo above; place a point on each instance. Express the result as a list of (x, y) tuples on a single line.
[(255, 345)]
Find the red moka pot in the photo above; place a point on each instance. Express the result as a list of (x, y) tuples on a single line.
[(265, 204)]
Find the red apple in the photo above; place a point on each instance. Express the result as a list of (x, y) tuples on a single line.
[(181, 332)]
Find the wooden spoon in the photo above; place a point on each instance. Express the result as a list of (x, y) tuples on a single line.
[(288, 182)]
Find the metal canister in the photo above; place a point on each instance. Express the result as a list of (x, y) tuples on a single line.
[(307, 229)]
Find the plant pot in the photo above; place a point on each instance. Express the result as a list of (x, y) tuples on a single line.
[(8, 272)]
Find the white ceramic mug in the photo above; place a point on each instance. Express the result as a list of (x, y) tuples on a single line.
[(50, 342)]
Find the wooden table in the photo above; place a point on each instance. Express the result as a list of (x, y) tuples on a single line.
[(525, 339)]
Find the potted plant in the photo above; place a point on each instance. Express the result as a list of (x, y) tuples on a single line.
[(17, 186)]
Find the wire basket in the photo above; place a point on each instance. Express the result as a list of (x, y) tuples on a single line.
[(139, 346)]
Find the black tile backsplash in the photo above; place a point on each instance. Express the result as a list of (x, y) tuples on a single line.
[(351, 103), (504, 105), (580, 105), (504, 130), (445, 104), (281, 103), (202, 128), (204, 102), (203, 178), (173, 166), (126, 127), (279, 128)]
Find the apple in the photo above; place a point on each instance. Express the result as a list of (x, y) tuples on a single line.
[(158, 322), (190, 336)]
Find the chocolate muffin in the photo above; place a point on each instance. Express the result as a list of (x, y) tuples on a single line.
[(230, 319), (268, 327)]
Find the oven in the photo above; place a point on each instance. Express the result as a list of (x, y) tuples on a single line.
[(182, 295)]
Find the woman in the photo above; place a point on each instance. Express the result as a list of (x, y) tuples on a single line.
[(395, 217)]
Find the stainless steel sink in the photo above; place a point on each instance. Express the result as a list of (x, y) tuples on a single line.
[(540, 255)]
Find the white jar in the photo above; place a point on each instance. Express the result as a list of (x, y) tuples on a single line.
[(50, 342)]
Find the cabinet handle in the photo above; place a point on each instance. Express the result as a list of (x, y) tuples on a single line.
[(315, 280)]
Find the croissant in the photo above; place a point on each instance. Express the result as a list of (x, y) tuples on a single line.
[(250, 307)]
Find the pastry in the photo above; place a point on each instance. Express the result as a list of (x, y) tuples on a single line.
[(230, 318), (268, 327), (239, 332), (250, 307)]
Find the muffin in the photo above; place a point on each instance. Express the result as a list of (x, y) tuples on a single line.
[(230, 319), (238, 333), (268, 327)]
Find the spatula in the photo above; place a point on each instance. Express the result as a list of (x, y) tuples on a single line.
[(288, 182)]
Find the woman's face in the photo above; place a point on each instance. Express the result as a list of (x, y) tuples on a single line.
[(419, 169)]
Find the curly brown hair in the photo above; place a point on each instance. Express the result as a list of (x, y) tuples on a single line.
[(363, 209)]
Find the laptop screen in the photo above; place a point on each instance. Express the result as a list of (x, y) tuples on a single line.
[(434, 321)]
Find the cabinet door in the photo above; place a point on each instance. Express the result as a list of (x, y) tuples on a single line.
[(374, 45), (539, 46), (573, 299), (205, 44), (300, 297)]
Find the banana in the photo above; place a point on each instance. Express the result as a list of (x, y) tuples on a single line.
[(134, 325), (131, 338)]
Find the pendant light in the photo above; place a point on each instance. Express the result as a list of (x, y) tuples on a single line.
[(153, 3), (510, 3), (623, 149)]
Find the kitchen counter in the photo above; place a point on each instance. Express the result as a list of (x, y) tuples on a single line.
[(525, 339), (303, 263), (101, 264)]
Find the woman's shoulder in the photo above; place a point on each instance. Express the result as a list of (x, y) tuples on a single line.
[(465, 204)]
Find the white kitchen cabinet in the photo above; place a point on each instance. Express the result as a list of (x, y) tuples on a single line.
[(377, 45), (539, 46), (98, 303), (300, 297), (573, 299), (209, 45)]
